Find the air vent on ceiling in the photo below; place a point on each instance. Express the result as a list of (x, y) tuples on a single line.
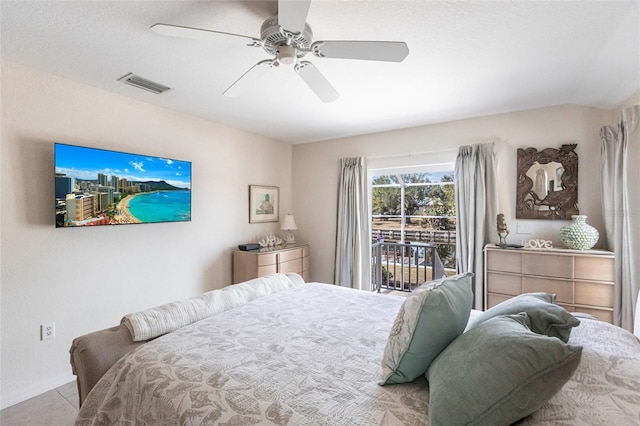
[(143, 83)]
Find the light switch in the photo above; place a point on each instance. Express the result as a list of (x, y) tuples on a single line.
[(523, 228)]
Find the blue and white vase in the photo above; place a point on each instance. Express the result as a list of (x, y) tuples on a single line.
[(579, 235)]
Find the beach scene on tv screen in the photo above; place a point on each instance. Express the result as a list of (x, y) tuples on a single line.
[(100, 187)]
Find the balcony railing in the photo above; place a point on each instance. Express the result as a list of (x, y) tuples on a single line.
[(404, 266), (429, 236)]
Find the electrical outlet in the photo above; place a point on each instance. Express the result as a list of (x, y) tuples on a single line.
[(48, 331), (523, 228)]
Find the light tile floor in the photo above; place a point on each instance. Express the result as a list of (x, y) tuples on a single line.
[(57, 407)]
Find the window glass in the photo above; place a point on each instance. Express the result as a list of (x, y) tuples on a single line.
[(416, 207)]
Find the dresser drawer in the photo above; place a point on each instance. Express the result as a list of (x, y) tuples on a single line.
[(267, 259), (288, 255), (504, 261), (595, 268), (291, 266), (267, 269), (504, 284), (547, 266), (562, 289), (596, 294)]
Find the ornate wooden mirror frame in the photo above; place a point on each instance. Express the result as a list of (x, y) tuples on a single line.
[(547, 183)]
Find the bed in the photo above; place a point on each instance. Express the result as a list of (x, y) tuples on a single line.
[(309, 353)]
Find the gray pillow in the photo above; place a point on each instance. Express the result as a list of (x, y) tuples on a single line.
[(544, 315), (498, 373), (428, 321)]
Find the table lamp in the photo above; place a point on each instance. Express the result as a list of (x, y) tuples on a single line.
[(288, 225)]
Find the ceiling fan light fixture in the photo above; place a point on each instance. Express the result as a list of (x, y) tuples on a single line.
[(287, 54)]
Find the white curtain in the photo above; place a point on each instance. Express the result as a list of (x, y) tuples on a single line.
[(621, 211), (476, 205), (353, 237)]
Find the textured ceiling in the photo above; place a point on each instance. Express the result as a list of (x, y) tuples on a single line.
[(466, 59)]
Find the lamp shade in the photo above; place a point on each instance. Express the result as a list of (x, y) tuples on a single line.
[(288, 223)]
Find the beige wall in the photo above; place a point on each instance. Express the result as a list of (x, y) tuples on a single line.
[(316, 167), (87, 279)]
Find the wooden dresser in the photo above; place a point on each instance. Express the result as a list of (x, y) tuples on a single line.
[(581, 279), (286, 258)]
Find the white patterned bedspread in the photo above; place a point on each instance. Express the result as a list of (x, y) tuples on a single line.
[(311, 355), (605, 389)]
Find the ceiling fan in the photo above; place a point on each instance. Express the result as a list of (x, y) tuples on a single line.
[(288, 38)]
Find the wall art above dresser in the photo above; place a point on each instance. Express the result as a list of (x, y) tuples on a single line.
[(547, 184)]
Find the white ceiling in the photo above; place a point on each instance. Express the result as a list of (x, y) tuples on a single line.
[(466, 59)]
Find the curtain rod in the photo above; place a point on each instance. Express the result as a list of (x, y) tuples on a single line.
[(410, 154)]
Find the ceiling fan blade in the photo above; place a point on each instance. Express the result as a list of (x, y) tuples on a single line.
[(248, 79), (390, 51), (194, 33), (292, 14), (316, 81)]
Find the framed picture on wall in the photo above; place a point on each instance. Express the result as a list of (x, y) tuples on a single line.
[(264, 202)]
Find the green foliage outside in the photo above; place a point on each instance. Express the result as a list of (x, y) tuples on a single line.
[(431, 200)]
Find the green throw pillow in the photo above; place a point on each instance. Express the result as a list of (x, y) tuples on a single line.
[(498, 373), (545, 316), (428, 321)]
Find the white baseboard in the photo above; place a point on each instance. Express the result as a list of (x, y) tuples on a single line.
[(35, 390)]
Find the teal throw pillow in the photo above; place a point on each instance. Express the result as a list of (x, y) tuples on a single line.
[(545, 316), (498, 373), (428, 321)]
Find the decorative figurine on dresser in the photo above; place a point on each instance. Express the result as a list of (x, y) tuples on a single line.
[(501, 225), (270, 241), (502, 230)]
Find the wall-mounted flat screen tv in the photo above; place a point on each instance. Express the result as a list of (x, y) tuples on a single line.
[(100, 187)]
